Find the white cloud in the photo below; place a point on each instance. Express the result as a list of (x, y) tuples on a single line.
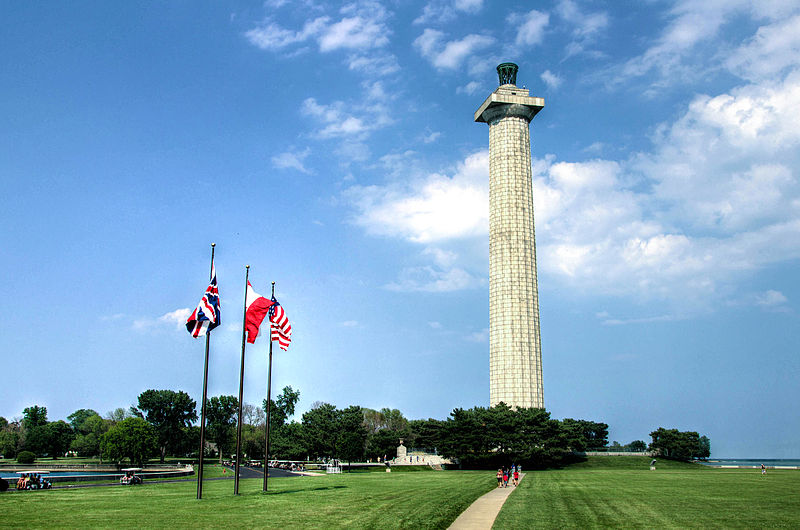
[(431, 136), (715, 198), (354, 33), (362, 27), (439, 11), (585, 26), (435, 325), (350, 324), (469, 89), (530, 27), (693, 34), (432, 209), (769, 52), (450, 54), (175, 319), (374, 64), (481, 336), (292, 159), (334, 120), (431, 279), (771, 298), (551, 80), (271, 36)]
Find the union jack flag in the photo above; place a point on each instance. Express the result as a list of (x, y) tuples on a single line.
[(279, 324), (206, 315)]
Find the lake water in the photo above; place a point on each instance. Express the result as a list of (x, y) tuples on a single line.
[(752, 462), (9, 474)]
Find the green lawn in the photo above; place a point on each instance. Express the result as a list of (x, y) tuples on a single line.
[(357, 500), (618, 492), (623, 493)]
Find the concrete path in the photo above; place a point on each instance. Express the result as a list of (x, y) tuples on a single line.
[(481, 514)]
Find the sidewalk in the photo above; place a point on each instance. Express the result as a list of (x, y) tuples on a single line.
[(481, 514)]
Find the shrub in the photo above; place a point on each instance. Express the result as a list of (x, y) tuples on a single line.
[(26, 457)]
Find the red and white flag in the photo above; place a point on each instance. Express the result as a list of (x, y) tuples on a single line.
[(257, 308)]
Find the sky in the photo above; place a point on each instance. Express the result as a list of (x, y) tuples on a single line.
[(332, 147)]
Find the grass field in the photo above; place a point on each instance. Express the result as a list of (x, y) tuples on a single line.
[(356, 500), (622, 492), (617, 492)]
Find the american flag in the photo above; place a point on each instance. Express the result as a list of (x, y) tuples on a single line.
[(206, 315), (279, 324)]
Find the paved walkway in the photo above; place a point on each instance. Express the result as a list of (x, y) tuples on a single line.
[(481, 514)]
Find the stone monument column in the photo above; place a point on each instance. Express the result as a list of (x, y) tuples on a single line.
[(515, 352)]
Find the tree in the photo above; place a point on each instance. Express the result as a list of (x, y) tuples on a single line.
[(584, 435), (89, 428), (10, 437), (53, 438), (253, 415), (704, 449), (132, 438), (482, 438), (34, 416), (320, 430), (118, 414), (677, 445), (352, 437), (170, 413), (637, 446), (221, 419), (79, 417)]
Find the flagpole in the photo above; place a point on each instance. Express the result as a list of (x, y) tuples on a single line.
[(269, 406), (205, 392), (241, 389)]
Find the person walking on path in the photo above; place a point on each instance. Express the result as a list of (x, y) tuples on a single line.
[(483, 512), (516, 478), (499, 478), (505, 477)]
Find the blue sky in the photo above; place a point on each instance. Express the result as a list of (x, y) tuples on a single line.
[(332, 148)]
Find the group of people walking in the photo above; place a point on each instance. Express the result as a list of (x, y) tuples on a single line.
[(506, 473)]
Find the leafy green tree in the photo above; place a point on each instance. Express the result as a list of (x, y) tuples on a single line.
[(482, 438), (426, 433), (320, 430), (34, 416), (288, 442), (10, 436), (79, 417), (132, 438), (352, 437), (3, 423), (53, 438), (677, 445), (89, 428), (383, 444), (170, 413), (221, 414), (584, 435), (637, 446), (704, 450)]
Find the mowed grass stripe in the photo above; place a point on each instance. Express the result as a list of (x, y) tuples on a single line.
[(367, 500), (692, 497)]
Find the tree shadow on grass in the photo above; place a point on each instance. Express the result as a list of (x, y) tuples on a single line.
[(299, 490)]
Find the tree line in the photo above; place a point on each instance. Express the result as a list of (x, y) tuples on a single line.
[(163, 424)]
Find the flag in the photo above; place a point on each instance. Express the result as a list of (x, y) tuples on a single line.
[(280, 326), (256, 308), (206, 315)]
